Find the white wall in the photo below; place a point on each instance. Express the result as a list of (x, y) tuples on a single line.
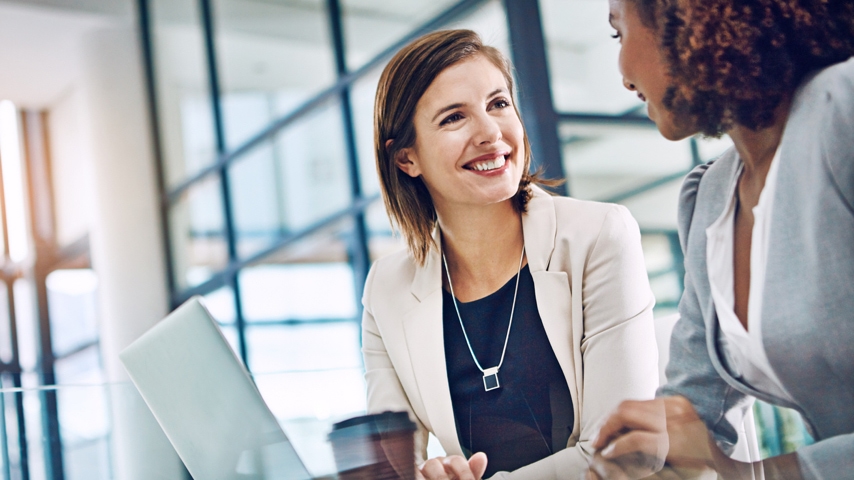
[(126, 239), (81, 62), (71, 165)]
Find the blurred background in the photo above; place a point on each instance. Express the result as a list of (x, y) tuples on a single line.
[(151, 150)]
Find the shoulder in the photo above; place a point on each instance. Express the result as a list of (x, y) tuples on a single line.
[(688, 200), (705, 186), (583, 209), (587, 216), (390, 271), (835, 82), (586, 224), (397, 266), (826, 97), (553, 220), (563, 232), (822, 119)]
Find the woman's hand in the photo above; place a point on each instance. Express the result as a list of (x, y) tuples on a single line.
[(633, 440), (454, 467), (623, 469), (640, 435)]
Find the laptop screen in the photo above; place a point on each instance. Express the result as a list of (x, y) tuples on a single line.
[(206, 403)]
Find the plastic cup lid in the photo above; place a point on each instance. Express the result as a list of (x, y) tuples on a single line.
[(376, 424)]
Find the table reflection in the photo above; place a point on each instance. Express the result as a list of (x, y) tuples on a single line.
[(106, 431)]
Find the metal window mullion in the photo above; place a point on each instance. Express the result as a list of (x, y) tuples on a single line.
[(454, 12), (40, 200), (457, 10), (16, 369), (225, 184), (4, 441), (9, 281), (361, 259), (528, 48), (165, 204), (222, 277), (696, 158), (361, 256), (606, 119), (50, 409)]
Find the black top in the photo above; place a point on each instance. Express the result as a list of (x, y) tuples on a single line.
[(529, 417)]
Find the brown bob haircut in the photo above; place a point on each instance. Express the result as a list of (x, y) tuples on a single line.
[(404, 80)]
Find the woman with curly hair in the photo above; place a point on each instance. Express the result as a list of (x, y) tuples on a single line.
[(767, 229)]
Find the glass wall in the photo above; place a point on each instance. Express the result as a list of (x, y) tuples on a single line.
[(48, 320), (264, 115), (265, 118), (610, 150)]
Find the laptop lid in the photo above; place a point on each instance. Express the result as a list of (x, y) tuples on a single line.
[(206, 402)]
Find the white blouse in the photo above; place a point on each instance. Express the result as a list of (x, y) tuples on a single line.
[(744, 348)]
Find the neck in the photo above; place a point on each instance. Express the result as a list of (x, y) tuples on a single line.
[(757, 147), (482, 245)]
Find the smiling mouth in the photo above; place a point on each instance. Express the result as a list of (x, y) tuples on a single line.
[(486, 165)]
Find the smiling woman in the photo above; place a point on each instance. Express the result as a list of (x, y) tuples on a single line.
[(516, 320), (471, 151), (410, 93)]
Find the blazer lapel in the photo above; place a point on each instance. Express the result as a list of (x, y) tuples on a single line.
[(716, 195), (539, 227), (554, 299), (426, 344), (555, 307), (714, 338)]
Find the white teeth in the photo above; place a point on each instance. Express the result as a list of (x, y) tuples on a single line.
[(492, 165)]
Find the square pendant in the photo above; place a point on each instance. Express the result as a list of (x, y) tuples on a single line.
[(490, 379)]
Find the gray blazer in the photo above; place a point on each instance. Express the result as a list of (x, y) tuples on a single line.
[(808, 300)]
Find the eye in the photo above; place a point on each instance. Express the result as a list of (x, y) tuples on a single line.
[(500, 103), (452, 118), (616, 35)]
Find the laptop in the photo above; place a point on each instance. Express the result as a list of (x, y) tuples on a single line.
[(206, 402)]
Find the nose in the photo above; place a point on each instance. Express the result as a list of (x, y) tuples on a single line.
[(488, 131), (629, 85)]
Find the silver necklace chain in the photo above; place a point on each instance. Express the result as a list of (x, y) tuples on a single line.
[(494, 370)]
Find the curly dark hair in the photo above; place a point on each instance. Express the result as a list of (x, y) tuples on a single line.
[(734, 61)]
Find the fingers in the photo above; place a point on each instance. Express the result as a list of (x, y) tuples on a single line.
[(633, 442), (668, 474), (454, 467), (604, 469), (648, 443), (477, 464), (457, 467), (418, 474), (648, 415), (639, 435), (630, 466), (590, 474), (433, 469), (680, 409)]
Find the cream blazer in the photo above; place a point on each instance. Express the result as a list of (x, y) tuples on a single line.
[(595, 302)]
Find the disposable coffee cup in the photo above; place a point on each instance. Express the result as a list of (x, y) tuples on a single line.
[(377, 447)]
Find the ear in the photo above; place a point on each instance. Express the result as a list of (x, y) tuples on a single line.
[(407, 161)]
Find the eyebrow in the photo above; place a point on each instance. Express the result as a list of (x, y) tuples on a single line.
[(611, 20), (458, 105), (449, 107)]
